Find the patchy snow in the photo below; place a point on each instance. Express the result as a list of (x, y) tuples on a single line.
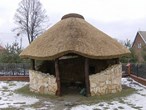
[(132, 102), (12, 85), (10, 99), (103, 106)]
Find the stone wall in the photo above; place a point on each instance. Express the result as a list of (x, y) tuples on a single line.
[(42, 83), (107, 81)]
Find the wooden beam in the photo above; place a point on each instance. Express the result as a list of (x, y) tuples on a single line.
[(87, 77), (58, 92), (32, 64), (117, 61)]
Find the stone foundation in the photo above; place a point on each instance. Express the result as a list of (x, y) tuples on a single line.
[(42, 83), (107, 81)]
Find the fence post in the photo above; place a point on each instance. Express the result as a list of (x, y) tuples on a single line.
[(137, 70), (24, 69), (128, 68)]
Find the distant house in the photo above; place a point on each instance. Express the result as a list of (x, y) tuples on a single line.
[(138, 44)]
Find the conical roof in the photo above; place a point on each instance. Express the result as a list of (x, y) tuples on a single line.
[(73, 34)]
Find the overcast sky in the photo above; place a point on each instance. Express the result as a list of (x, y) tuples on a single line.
[(120, 19)]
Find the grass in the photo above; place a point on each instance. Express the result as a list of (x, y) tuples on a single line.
[(82, 100), (10, 94), (110, 103), (26, 92), (96, 109), (10, 108), (108, 97), (5, 87), (137, 108), (120, 107), (134, 106), (121, 101), (37, 105), (106, 108), (12, 84)]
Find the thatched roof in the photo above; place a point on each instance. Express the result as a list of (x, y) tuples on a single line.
[(73, 34)]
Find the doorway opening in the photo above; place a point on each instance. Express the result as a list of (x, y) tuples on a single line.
[(72, 75)]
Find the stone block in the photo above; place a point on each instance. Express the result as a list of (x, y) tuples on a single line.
[(113, 91), (102, 79), (108, 81), (42, 89), (43, 83), (102, 84)]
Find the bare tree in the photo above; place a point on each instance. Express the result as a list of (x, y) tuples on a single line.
[(30, 19)]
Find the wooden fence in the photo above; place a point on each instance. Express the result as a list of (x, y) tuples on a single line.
[(136, 73), (14, 69)]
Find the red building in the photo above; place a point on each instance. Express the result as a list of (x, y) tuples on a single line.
[(138, 44)]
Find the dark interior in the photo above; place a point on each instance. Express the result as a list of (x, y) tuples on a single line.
[(46, 67), (72, 75), (72, 71)]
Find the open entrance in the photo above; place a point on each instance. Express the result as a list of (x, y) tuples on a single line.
[(72, 75), (72, 72)]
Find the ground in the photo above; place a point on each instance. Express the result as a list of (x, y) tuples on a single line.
[(10, 99)]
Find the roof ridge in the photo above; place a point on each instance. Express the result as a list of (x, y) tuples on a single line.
[(142, 36), (141, 31)]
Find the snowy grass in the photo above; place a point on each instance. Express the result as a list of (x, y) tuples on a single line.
[(108, 97), (9, 99), (86, 100), (15, 95), (26, 92), (136, 101)]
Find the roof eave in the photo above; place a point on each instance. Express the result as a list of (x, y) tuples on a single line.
[(81, 54)]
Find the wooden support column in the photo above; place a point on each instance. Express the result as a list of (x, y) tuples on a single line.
[(58, 92), (32, 64), (87, 77), (117, 61)]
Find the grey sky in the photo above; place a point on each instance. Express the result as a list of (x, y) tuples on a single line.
[(120, 19)]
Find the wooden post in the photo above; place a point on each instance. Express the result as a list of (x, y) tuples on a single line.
[(32, 64), (87, 77), (117, 61), (58, 92), (128, 68)]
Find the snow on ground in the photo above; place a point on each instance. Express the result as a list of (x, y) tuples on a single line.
[(136, 101), (10, 99)]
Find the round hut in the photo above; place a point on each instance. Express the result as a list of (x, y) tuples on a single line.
[(75, 57)]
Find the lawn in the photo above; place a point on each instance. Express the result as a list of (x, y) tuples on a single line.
[(16, 95)]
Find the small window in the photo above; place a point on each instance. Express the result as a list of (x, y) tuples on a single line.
[(91, 69), (139, 45)]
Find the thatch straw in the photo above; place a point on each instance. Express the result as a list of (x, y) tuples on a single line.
[(72, 15), (74, 35)]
